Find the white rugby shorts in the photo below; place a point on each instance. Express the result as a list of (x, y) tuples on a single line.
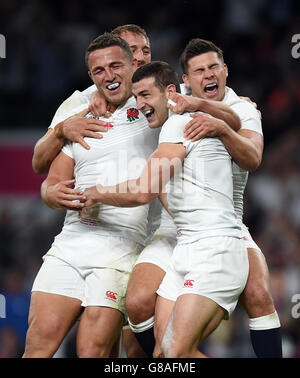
[(215, 267), (93, 285), (249, 242), (160, 248)]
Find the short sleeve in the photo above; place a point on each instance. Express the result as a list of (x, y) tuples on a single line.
[(172, 129), (185, 90), (72, 105), (249, 116), (88, 93), (68, 149), (172, 132)]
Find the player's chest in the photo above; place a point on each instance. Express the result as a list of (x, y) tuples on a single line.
[(119, 143)]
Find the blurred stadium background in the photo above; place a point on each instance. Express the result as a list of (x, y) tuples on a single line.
[(44, 64)]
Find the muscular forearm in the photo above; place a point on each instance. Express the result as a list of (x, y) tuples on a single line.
[(243, 150), (220, 110), (126, 194), (159, 169), (45, 151), (44, 191)]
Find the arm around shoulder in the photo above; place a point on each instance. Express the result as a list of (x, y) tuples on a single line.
[(245, 148), (45, 151)]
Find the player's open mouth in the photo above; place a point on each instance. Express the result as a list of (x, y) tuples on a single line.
[(149, 114), (211, 89), (113, 87)]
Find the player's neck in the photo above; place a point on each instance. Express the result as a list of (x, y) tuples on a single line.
[(113, 107)]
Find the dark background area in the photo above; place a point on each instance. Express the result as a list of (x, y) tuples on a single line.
[(44, 64)]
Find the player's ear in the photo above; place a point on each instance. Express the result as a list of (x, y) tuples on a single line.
[(134, 65), (90, 75), (171, 88), (186, 81), (226, 69)]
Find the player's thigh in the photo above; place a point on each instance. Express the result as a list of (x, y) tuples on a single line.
[(256, 297), (163, 311), (258, 269), (190, 318), (56, 295), (104, 303), (151, 265), (144, 281), (52, 314), (99, 326), (259, 276)]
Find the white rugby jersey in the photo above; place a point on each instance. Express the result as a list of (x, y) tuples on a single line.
[(119, 156), (200, 196), (166, 222), (79, 101), (185, 90), (249, 121)]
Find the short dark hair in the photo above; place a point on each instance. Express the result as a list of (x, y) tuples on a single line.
[(108, 40), (162, 72), (132, 28), (196, 47)]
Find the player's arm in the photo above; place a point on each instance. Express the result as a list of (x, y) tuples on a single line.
[(57, 189), (99, 106), (245, 147), (159, 169), (74, 128), (183, 103), (248, 99), (45, 150)]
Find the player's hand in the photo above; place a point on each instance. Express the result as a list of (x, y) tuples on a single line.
[(77, 127), (91, 195), (90, 200), (203, 125), (99, 106), (183, 103), (253, 103), (62, 196)]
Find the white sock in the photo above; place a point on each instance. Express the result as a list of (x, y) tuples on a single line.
[(265, 322), (141, 327)]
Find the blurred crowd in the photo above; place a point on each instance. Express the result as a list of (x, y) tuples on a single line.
[(46, 42)]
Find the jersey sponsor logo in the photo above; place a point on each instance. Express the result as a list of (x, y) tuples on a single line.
[(132, 114), (189, 283), (111, 295), (244, 237)]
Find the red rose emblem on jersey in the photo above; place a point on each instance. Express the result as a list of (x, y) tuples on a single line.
[(132, 114)]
